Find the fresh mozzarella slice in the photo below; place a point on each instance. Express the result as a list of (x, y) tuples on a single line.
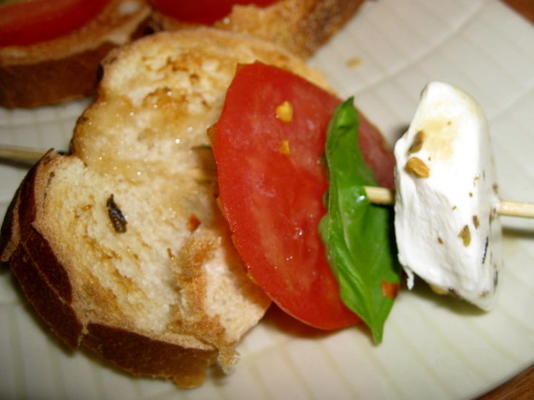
[(448, 232)]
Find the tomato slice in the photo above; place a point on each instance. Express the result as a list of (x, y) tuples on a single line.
[(202, 11), (34, 21), (272, 180)]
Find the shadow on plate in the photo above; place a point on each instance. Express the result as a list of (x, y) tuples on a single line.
[(454, 304), (518, 233), (279, 320), (16, 164)]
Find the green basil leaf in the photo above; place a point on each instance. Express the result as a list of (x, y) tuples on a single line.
[(357, 234)]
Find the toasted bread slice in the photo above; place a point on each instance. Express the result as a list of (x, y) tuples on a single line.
[(300, 26), (120, 246), (66, 67)]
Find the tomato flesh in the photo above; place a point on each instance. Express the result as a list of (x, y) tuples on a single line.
[(202, 11), (35, 21), (272, 181)]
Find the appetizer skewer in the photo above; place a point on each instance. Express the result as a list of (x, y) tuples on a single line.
[(457, 253), (376, 195)]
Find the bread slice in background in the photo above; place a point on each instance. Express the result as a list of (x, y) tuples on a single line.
[(119, 246), (300, 26), (65, 68)]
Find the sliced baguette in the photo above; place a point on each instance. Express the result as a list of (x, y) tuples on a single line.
[(300, 26), (120, 246), (66, 68)]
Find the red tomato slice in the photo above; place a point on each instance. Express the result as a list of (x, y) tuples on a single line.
[(202, 11), (271, 183), (34, 21)]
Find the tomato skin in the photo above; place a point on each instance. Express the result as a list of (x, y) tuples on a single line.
[(35, 21), (202, 11), (376, 153)]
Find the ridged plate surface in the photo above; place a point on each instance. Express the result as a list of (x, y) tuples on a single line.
[(434, 348)]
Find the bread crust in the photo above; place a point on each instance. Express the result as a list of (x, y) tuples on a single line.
[(300, 26), (33, 243), (52, 81), (142, 356), (67, 67), (58, 316), (9, 233), (47, 289)]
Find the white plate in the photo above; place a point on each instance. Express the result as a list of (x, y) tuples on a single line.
[(433, 348)]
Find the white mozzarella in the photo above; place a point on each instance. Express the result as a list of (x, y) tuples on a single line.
[(447, 229)]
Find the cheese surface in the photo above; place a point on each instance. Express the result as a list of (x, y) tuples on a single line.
[(447, 229)]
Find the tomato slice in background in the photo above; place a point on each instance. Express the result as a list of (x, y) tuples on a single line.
[(202, 11), (34, 21), (272, 180)]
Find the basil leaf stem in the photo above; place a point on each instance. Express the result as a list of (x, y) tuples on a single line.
[(357, 234)]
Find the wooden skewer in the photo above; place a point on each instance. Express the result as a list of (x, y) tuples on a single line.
[(380, 195), (377, 195), (20, 154), (516, 209)]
